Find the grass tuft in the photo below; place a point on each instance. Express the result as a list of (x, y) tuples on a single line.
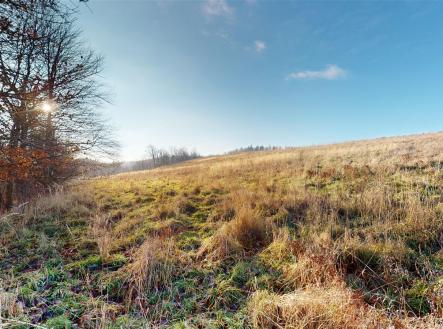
[(247, 232)]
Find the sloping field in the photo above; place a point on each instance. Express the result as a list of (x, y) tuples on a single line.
[(337, 236)]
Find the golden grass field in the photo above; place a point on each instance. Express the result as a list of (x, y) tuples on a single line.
[(336, 236)]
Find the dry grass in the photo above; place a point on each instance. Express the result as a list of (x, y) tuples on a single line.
[(319, 270), (154, 265), (248, 231), (59, 202), (354, 210), (220, 247), (101, 232), (337, 236), (334, 307), (9, 304), (100, 315)]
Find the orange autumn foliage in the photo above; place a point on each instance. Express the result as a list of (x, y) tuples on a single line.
[(23, 164)]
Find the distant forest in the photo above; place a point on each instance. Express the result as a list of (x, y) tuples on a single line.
[(251, 148), (154, 157)]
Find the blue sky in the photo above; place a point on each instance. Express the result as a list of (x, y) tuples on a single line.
[(218, 74)]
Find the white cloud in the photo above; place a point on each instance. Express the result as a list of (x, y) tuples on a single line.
[(259, 46), (217, 8), (331, 72)]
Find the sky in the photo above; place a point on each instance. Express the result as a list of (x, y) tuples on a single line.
[(217, 75)]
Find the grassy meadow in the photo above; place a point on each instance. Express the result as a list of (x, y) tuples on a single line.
[(336, 236)]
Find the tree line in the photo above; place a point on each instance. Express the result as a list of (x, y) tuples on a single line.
[(251, 148), (154, 157), (162, 157), (50, 91)]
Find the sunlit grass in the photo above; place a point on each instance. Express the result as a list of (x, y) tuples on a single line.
[(344, 235)]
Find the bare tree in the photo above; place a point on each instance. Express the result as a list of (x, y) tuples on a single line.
[(49, 94), (152, 153), (162, 157)]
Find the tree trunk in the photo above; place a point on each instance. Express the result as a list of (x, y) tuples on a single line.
[(9, 193), (13, 143)]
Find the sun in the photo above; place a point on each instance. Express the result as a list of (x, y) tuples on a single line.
[(48, 106)]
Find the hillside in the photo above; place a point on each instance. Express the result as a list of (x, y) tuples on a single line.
[(336, 236)]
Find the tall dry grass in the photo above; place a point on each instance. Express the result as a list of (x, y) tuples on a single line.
[(100, 229), (311, 308), (248, 231)]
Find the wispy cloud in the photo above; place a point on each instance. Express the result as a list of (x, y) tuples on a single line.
[(213, 8), (331, 72), (259, 46)]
